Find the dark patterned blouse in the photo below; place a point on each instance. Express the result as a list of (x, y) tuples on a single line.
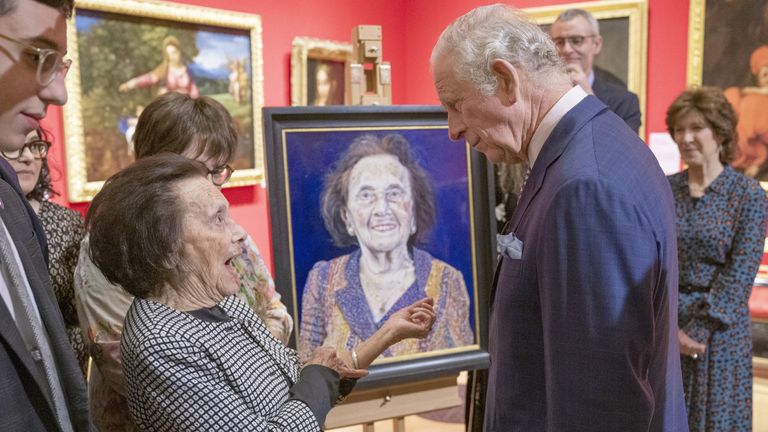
[(720, 244), (64, 230)]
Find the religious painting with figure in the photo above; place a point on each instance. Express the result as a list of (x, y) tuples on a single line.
[(729, 49), (124, 61), (377, 218)]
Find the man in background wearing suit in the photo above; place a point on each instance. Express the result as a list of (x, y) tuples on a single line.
[(576, 34), (583, 319), (41, 385)]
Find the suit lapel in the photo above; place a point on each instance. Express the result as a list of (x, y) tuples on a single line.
[(557, 142), (9, 175), (9, 331), (555, 145)]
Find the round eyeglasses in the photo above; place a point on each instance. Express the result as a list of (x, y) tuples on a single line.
[(49, 61), (220, 175), (39, 149), (574, 41)]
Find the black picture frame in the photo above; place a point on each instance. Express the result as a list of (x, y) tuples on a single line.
[(302, 143)]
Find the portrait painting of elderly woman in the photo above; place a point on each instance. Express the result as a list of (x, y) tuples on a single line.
[(379, 218)]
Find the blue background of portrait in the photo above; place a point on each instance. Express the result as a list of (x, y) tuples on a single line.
[(310, 155)]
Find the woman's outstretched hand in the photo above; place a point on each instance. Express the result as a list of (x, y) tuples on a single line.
[(414, 321)]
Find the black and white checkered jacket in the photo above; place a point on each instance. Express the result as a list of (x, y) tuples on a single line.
[(186, 374)]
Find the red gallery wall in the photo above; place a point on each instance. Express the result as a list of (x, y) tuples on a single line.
[(410, 28)]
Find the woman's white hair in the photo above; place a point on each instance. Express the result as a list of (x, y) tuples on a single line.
[(492, 32)]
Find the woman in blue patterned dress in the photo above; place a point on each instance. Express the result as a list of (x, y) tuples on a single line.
[(721, 229)]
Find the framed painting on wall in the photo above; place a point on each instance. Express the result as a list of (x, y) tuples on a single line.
[(624, 28), (728, 48), (317, 71), (349, 185), (127, 52)]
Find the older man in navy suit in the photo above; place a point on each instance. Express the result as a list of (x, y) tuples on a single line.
[(583, 333)]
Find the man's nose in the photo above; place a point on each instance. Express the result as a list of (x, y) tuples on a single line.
[(456, 127), (26, 155), (54, 93)]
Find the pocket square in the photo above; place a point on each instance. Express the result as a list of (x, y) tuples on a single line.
[(509, 245)]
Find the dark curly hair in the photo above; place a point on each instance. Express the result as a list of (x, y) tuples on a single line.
[(336, 185), (43, 188), (711, 103)]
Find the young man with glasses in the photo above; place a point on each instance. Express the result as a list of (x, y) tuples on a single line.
[(41, 384), (576, 34)]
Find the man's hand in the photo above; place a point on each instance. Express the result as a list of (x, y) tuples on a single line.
[(577, 76)]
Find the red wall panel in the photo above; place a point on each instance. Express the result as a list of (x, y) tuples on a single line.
[(410, 28)]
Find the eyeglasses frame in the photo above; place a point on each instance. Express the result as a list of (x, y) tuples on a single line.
[(26, 145), (569, 39), (220, 169), (42, 54)]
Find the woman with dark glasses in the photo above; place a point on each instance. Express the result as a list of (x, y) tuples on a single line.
[(63, 228)]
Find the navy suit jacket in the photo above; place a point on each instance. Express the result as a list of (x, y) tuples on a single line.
[(9, 176), (24, 405), (583, 327), (613, 92)]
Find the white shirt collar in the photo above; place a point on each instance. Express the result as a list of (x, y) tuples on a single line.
[(553, 117)]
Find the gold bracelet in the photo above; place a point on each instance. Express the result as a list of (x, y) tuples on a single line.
[(354, 359)]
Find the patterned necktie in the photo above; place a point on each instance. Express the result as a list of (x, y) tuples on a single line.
[(31, 328)]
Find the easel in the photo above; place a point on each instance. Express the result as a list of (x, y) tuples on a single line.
[(367, 77), (394, 402)]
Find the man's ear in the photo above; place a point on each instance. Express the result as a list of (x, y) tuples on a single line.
[(598, 44), (508, 77)]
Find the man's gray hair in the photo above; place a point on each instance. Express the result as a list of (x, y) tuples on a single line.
[(492, 32), (570, 14)]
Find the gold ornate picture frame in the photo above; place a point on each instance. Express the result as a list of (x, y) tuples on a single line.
[(624, 27), (317, 71), (127, 52)]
